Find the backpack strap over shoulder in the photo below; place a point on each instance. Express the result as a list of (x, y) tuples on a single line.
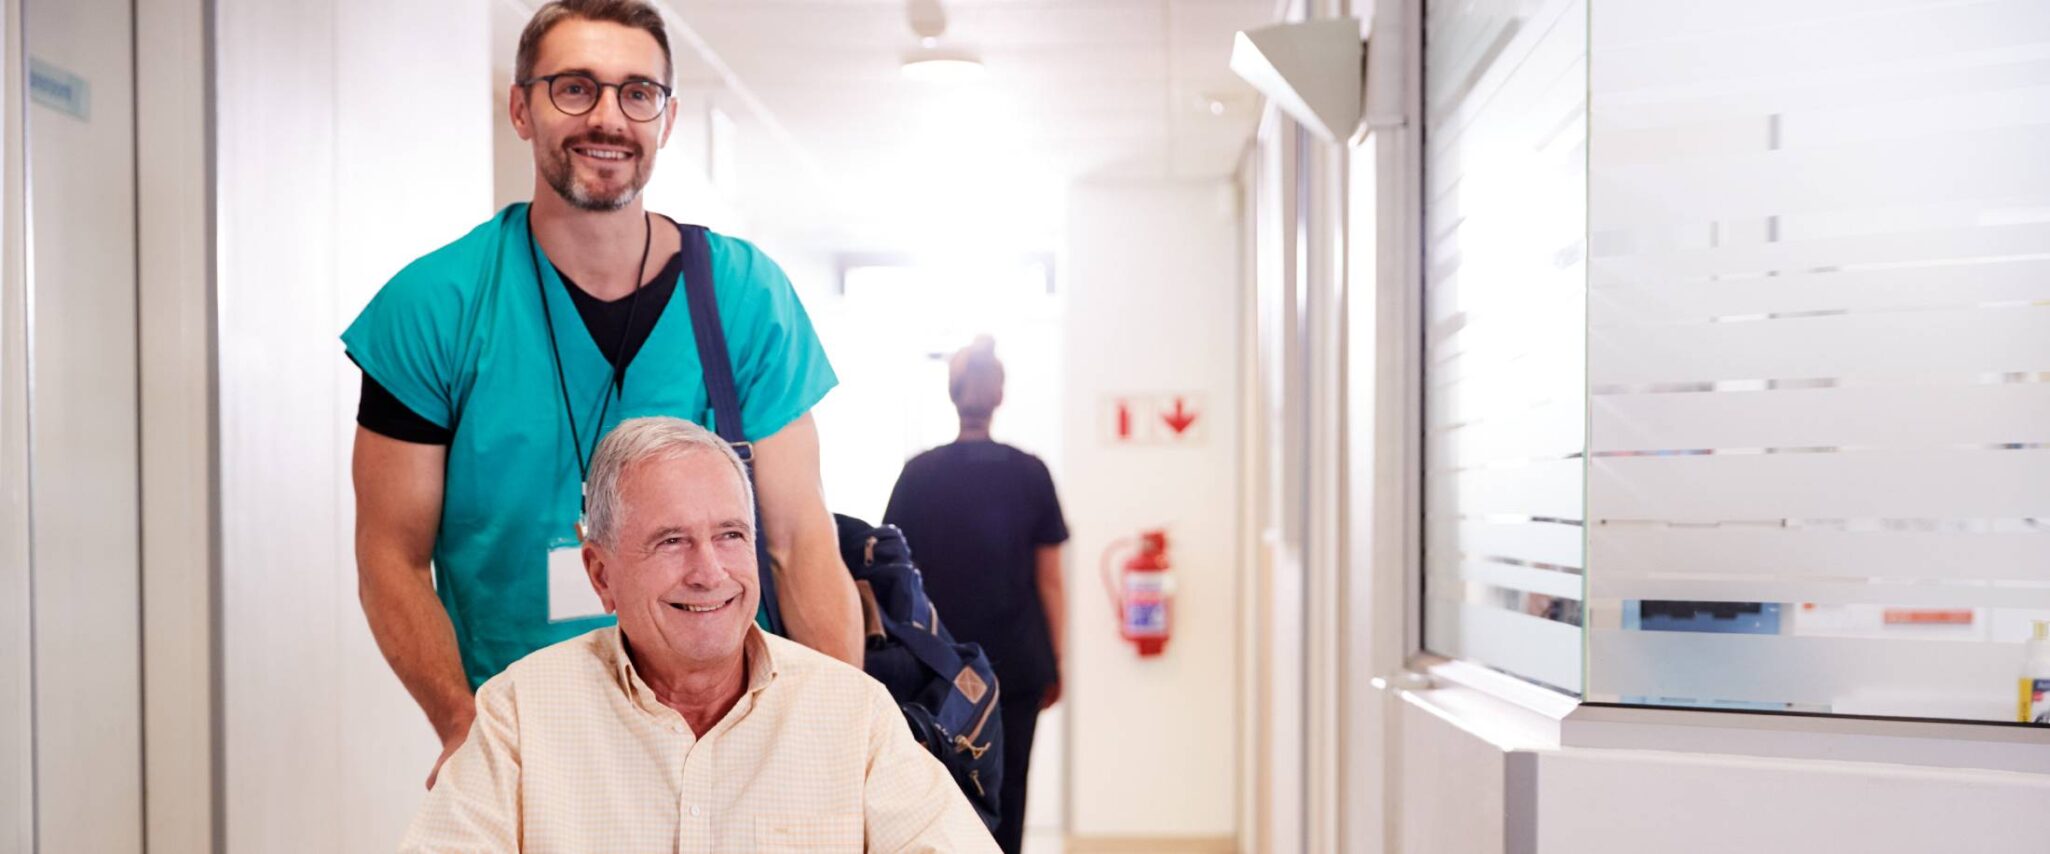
[(703, 299)]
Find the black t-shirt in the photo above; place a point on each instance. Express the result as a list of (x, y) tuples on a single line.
[(975, 514), (380, 412)]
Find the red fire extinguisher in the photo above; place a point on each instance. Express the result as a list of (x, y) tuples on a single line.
[(1142, 594)]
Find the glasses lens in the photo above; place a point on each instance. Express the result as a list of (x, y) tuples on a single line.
[(574, 94), (641, 100)]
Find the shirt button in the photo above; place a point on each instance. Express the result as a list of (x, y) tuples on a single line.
[(678, 729), (696, 811)]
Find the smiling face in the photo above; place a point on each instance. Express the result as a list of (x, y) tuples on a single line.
[(681, 572), (598, 161)]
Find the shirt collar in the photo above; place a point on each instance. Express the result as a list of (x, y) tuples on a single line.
[(761, 667)]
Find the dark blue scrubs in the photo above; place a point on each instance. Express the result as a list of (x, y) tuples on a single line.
[(975, 514)]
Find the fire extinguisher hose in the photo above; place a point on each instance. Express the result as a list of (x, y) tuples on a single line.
[(1110, 586)]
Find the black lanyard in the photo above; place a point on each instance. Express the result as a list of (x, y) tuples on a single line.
[(616, 386)]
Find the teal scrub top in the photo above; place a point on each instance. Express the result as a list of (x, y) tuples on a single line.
[(460, 337)]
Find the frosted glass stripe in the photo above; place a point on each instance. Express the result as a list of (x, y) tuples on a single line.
[(1895, 81), (1948, 166), (1621, 551), (1549, 489), (1847, 121), (1924, 415), (1620, 586), (1946, 286), (1551, 299), (1881, 484), (1559, 406), (1549, 582), (1533, 542), (1845, 346), (1918, 248), (1550, 431), (1531, 647), (1625, 24), (1800, 39), (1816, 671)]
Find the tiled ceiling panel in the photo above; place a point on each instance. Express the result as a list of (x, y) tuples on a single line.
[(1081, 87)]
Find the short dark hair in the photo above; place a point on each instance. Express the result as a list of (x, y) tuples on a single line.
[(975, 379), (626, 13)]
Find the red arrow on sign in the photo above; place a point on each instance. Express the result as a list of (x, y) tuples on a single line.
[(1180, 419)]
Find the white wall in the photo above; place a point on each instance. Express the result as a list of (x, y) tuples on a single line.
[(83, 437), (17, 733), (1622, 802), (1593, 801), (1472, 780), (174, 208), (1153, 307), (353, 137)]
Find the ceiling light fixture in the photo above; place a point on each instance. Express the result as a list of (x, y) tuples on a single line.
[(936, 66), (930, 63)]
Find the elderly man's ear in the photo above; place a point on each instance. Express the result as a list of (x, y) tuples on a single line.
[(594, 566)]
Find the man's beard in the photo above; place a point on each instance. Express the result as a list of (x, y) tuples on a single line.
[(561, 175)]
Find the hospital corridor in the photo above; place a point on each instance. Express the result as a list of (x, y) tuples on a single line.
[(1045, 426)]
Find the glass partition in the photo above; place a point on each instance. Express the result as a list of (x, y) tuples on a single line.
[(1737, 323), (1505, 188), (1819, 354)]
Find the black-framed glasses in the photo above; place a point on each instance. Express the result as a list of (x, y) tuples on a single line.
[(576, 93)]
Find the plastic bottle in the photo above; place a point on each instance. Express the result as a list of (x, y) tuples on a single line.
[(2035, 680)]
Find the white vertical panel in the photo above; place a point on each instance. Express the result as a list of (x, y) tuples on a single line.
[(1820, 231), (174, 300), (17, 732), (282, 544), (1505, 288), (83, 435), (353, 137), (420, 73)]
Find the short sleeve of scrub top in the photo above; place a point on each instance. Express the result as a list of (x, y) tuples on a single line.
[(404, 338)]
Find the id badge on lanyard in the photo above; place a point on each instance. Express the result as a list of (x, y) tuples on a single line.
[(570, 594)]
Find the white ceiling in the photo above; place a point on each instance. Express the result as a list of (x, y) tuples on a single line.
[(831, 133)]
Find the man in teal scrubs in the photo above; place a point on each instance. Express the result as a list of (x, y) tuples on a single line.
[(493, 365)]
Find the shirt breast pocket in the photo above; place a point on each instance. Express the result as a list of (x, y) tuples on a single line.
[(791, 833)]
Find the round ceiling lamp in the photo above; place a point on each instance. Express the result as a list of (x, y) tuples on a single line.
[(937, 66), (930, 63)]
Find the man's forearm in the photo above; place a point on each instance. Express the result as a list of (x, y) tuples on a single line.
[(418, 641), (1056, 602), (1053, 596), (815, 595)]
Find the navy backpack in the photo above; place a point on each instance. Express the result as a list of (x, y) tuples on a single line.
[(947, 691)]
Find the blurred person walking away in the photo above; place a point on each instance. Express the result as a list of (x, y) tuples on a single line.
[(986, 530)]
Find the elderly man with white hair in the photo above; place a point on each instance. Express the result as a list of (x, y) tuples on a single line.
[(685, 727)]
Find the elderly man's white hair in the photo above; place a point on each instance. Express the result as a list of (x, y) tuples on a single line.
[(635, 441)]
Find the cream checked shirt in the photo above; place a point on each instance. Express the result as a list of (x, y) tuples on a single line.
[(571, 752)]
